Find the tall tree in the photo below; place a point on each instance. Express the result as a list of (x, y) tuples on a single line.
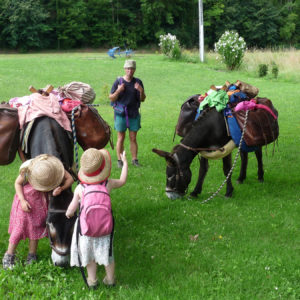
[(25, 24), (257, 22)]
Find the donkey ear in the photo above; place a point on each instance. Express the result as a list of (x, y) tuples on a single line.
[(167, 155)]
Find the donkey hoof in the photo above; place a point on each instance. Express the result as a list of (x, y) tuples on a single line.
[(229, 194), (193, 195), (240, 181), (261, 180)]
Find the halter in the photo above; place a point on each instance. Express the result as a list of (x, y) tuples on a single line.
[(178, 175), (61, 211)]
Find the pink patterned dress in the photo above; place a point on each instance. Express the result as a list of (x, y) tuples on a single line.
[(31, 224)]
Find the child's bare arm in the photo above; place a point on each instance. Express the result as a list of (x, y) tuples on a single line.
[(19, 191), (74, 203), (68, 181), (116, 183)]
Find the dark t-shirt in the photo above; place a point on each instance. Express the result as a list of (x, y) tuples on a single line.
[(130, 97)]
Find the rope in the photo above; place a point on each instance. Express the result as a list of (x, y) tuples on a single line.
[(234, 162), (74, 136)]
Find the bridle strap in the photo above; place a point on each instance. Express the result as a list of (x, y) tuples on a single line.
[(202, 149), (53, 210), (53, 247)]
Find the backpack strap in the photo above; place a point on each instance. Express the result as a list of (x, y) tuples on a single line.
[(121, 81)]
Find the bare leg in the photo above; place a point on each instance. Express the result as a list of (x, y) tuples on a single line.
[(110, 273), (33, 246), (120, 144), (92, 271), (11, 248), (133, 144)]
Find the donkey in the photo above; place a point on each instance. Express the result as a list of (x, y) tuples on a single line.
[(208, 132), (184, 124)]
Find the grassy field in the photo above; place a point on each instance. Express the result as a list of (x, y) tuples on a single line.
[(246, 247)]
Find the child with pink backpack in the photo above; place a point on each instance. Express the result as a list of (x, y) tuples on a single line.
[(92, 241)]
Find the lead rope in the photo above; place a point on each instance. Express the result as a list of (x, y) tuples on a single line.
[(74, 133), (74, 136), (234, 162)]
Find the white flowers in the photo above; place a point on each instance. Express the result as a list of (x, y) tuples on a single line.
[(231, 47), (169, 45)]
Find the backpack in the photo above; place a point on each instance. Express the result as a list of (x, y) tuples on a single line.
[(95, 216)]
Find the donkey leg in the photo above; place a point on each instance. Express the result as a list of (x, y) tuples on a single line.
[(244, 164), (260, 167), (202, 173), (226, 168)]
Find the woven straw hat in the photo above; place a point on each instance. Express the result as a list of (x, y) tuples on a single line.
[(45, 172), (95, 166), (129, 63), (24, 166)]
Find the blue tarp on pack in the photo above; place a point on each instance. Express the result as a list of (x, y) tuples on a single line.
[(235, 130)]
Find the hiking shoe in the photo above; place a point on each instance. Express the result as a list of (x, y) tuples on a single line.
[(8, 261), (136, 163), (120, 164), (108, 283), (93, 284), (31, 257)]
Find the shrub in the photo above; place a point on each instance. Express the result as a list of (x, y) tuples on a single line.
[(262, 70), (275, 70), (170, 46), (231, 47)]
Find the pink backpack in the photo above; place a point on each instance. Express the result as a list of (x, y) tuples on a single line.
[(95, 214)]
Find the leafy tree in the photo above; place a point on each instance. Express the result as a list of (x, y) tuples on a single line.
[(257, 22), (71, 23), (26, 26), (288, 22), (100, 22)]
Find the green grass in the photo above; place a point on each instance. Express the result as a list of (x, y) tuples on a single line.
[(248, 246)]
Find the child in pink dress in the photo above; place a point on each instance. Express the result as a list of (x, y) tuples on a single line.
[(95, 169), (29, 210)]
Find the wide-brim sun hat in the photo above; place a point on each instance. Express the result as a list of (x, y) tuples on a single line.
[(45, 172), (95, 166), (129, 63), (24, 166)]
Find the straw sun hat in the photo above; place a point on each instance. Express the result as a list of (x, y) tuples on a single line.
[(95, 166), (45, 172)]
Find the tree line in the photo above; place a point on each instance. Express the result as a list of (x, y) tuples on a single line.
[(66, 24)]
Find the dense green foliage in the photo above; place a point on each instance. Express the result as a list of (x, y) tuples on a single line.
[(246, 247), (62, 24)]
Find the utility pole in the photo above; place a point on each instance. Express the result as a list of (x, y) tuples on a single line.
[(201, 31)]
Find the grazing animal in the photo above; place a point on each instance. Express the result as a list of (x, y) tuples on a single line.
[(208, 132), (184, 124), (48, 137)]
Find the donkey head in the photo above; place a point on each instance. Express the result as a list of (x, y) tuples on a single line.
[(178, 175)]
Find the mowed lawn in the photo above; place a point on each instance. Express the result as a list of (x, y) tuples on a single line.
[(246, 247)]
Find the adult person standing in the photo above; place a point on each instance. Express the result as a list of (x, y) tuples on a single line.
[(127, 93)]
